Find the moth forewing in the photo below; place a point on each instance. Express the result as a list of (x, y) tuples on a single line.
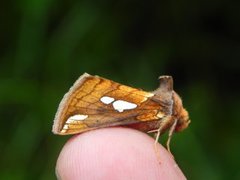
[(94, 102)]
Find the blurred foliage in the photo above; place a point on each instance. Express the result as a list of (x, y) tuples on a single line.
[(45, 45)]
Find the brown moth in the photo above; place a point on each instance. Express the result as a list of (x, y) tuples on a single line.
[(94, 102)]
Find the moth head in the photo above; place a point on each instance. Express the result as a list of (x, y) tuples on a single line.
[(180, 113)]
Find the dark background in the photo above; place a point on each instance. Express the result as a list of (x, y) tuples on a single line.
[(47, 44)]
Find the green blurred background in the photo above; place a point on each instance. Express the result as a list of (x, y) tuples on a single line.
[(46, 45)]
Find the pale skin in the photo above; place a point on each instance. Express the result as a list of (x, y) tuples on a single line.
[(115, 153)]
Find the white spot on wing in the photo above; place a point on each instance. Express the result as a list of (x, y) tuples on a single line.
[(121, 105), (107, 99), (78, 117), (160, 115), (65, 127), (63, 131), (150, 95)]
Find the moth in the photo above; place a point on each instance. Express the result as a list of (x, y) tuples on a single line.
[(94, 102)]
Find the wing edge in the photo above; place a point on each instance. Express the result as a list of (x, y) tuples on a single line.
[(56, 122)]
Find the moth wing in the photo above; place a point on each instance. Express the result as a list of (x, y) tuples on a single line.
[(94, 102)]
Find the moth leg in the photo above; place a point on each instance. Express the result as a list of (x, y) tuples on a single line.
[(156, 142), (153, 131), (170, 133), (164, 122), (157, 135)]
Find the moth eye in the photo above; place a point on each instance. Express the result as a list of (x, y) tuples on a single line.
[(107, 100), (121, 105)]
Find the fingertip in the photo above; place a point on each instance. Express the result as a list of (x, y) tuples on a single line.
[(115, 153)]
